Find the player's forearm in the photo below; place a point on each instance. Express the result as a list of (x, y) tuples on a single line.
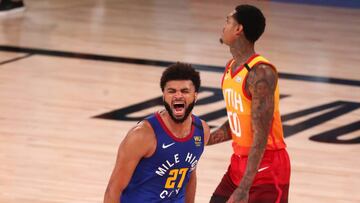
[(255, 156), (219, 135), (261, 128), (191, 189)]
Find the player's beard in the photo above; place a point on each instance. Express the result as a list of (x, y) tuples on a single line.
[(186, 114)]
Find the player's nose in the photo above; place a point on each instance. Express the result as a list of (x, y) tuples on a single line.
[(178, 94)]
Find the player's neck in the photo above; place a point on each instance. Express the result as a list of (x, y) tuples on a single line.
[(180, 130), (241, 51)]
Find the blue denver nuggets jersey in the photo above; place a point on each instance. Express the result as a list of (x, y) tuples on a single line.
[(163, 176)]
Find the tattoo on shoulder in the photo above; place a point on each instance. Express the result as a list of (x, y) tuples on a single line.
[(262, 79)]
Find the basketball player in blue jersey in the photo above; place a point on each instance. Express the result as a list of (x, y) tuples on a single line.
[(157, 159)]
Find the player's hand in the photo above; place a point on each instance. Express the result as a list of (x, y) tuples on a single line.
[(239, 196)]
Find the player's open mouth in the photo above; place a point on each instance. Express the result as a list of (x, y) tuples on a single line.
[(179, 108)]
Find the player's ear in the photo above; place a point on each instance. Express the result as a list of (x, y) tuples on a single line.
[(195, 97), (239, 29)]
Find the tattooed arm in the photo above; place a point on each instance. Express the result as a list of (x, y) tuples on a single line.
[(261, 85), (219, 135)]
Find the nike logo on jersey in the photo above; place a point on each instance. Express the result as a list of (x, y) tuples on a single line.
[(164, 146), (261, 169)]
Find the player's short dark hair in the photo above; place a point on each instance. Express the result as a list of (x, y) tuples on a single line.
[(180, 71), (252, 20)]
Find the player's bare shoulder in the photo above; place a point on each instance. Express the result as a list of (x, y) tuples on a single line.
[(143, 128), (261, 75), (142, 135)]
